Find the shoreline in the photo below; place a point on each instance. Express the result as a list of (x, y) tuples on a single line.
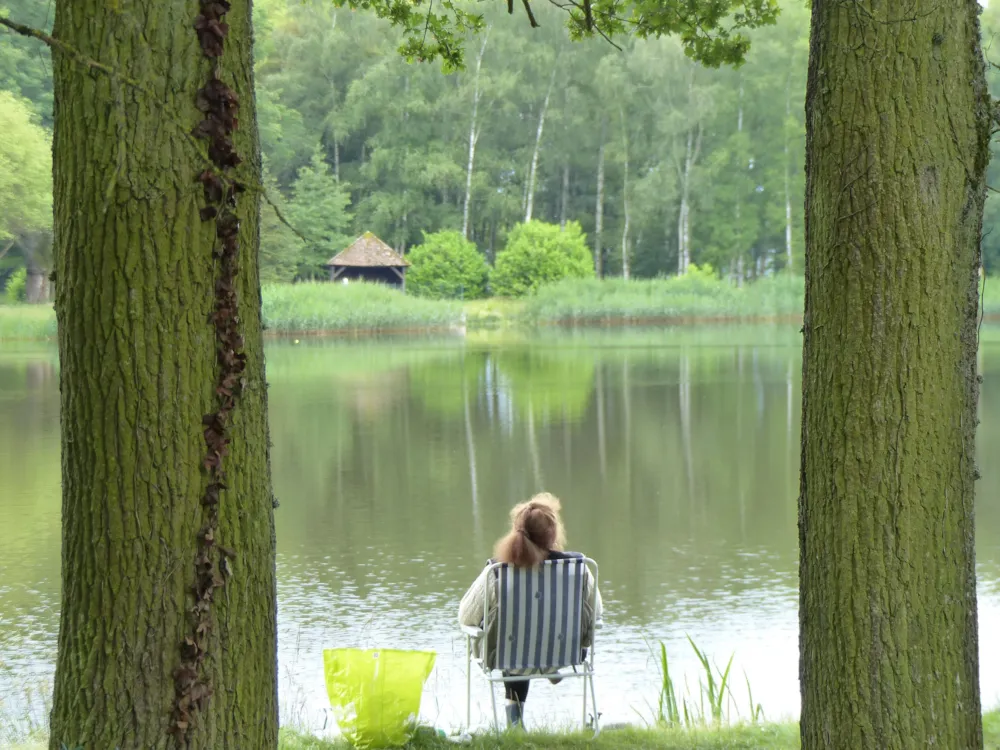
[(462, 329)]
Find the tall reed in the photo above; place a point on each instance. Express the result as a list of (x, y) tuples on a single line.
[(714, 703), (319, 306), (697, 295)]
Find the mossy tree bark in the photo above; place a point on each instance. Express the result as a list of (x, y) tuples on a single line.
[(898, 129), (135, 288)]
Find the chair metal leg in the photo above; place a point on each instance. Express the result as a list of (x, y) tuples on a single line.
[(493, 700), (585, 701), (468, 682), (593, 700)]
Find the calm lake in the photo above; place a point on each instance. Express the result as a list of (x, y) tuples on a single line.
[(675, 453)]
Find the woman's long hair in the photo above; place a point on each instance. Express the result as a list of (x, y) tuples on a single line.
[(536, 530)]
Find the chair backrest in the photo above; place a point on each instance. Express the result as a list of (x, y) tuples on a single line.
[(539, 615)]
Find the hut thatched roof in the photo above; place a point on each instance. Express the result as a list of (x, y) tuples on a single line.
[(368, 251)]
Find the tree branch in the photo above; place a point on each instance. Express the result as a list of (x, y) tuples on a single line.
[(531, 15), (56, 44), (277, 212)]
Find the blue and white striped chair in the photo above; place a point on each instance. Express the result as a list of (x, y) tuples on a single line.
[(538, 619)]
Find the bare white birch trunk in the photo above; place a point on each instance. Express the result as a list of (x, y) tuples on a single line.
[(691, 153), (533, 171), (564, 207), (473, 135), (739, 184), (788, 178), (625, 223), (599, 209)]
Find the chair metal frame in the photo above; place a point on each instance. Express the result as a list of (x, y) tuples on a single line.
[(584, 670)]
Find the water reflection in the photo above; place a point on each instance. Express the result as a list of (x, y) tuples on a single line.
[(396, 464)]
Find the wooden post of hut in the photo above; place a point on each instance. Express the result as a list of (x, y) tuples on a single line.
[(369, 259)]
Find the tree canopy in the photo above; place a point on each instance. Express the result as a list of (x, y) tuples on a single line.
[(25, 170)]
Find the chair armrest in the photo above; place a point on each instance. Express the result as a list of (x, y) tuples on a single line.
[(472, 632)]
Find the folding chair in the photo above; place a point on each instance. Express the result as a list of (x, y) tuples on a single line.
[(538, 624)]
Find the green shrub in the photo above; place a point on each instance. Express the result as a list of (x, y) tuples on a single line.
[(446, 266), (16, 284), (538, 253)]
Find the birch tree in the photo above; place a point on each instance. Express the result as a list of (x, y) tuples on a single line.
[(474, 130)]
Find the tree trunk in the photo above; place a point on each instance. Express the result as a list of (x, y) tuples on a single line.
[(564, 204), (682, 250), (897, 149), (34, 287), (473, 134), (626, 217), (336, 159), (599, 210), (691, 153), (788, 176), (404, 228), (36, 248), (533, 171), (740, 166), (135, 291)]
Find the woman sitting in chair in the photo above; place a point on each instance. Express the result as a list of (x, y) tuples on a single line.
[(536, 535)]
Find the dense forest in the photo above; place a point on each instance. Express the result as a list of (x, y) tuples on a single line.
[(662, 161)]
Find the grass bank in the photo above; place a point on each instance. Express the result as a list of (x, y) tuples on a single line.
[(765, 736), (743, 737)]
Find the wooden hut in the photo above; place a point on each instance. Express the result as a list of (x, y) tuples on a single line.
[(369, 259)]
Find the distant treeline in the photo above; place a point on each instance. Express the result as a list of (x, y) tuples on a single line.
[(661, 161)]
